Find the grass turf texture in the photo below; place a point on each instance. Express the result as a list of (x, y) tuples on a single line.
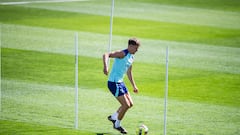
[(30, 102), (13, 127), (204, 78), (59, 70), (231, 5), (154, 29)]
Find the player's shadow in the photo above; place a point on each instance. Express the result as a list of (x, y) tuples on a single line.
[(106, 134)]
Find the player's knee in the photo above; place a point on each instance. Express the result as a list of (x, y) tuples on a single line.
[(127, 106), (130, 105)]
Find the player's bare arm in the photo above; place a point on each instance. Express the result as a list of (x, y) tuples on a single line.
[(106, 56), (131, 79), (105, 63)]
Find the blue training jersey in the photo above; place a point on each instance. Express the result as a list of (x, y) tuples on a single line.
[(120, 67)]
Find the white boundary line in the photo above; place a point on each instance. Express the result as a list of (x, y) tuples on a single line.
[(32, 2)]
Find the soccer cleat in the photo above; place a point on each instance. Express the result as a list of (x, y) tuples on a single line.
[(112, 120), (121, 130)]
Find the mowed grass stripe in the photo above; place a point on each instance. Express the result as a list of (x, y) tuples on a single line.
[(211, 97), (29, 128), (185, 83), (122, 26), (148, 11), (53, 105), (187, 55), (225, 5)]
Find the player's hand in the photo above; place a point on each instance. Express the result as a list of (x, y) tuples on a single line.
[(135, 90), (105, 70)]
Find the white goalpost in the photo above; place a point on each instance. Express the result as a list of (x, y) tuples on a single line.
[(166, 96), (76, 80)]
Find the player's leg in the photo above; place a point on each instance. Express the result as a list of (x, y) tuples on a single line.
[(126, 103), (128, 96), (113, 87), (125, 100), (119, 90), (114, 116)]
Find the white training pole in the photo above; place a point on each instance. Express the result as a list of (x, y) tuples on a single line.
[(110, 33), (0, 68), (76, 80), (166, 95)]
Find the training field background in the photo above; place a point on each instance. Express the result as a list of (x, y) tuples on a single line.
[(38, 75)]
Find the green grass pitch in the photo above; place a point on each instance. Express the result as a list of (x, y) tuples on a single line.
[(37, 66)]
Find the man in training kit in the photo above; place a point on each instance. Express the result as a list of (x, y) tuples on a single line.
[(122, 64)]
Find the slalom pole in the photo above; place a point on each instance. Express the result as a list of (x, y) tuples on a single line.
[(0, 68), (166, 95), (76, 80), (110, 33)]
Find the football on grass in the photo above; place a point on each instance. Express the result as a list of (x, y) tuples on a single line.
[(142, 130)]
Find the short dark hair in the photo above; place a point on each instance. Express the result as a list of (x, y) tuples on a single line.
[(133, 41)]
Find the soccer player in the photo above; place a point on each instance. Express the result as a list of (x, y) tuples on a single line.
[(122, 64)]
